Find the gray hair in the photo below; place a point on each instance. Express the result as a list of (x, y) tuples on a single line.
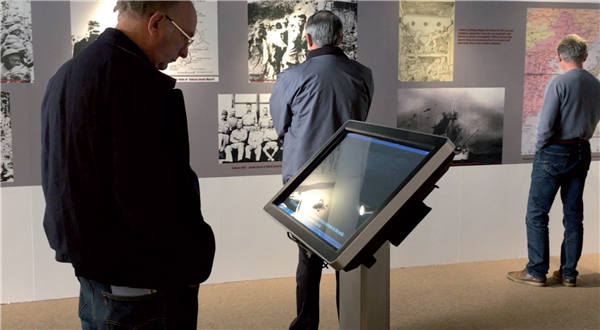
[(144, 8), (572, 48), (325, 28)]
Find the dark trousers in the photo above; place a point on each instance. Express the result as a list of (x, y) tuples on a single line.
[(165, 309), (308, 279)]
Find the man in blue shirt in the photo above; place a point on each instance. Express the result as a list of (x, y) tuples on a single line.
[(309, 102), (568, 118)]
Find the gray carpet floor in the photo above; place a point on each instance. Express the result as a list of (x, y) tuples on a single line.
[(458, 296)]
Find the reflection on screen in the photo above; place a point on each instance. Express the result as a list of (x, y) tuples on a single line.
[(349, 185)]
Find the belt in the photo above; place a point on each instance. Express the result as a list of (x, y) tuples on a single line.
[(570, 141)]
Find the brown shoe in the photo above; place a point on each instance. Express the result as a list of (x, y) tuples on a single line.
[(570, 282), (522, 276)]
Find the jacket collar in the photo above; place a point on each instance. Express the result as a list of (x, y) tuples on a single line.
[(326, 50), (120, 40)]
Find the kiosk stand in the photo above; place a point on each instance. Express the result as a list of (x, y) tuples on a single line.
[(365, 294), (365, 291), (364, 188)]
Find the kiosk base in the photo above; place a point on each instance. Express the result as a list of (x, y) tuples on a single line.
[(365, 294)]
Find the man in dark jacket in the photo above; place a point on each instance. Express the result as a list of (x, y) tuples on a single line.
[(309, 102), (122, 202)]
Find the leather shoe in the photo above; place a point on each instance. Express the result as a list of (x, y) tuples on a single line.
[(570, 282), (522, 276)]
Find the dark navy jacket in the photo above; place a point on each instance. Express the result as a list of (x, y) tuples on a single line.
[(312, 100), (122, 202)]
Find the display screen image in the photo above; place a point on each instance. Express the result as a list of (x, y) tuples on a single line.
[(350, 185)]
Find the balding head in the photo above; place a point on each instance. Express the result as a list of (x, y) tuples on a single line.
[(152, 25)]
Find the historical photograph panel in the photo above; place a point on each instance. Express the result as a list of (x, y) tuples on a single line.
[(7, 173), (245, 129), (426, 41), (276, 37), (202, 62), (472, 118), (90, 18), (16, 42)]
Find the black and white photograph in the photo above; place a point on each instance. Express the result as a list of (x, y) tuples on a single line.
[(276, 37), (245, 129), (472, 118), (88, 20), (7, 173), (426, 41), (16, 42)]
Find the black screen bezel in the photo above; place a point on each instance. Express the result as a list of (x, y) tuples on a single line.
[(422, 141)]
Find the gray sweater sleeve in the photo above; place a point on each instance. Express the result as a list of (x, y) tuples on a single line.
[(549, 114)]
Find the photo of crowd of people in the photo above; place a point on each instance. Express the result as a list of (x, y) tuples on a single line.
[(245, 129), (16, 46), (6, 164), (276, 33)]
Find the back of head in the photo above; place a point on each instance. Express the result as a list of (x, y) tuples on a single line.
[(325, 28), (144, 8), (572, 48)]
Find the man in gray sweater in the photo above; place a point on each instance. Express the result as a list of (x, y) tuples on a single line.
[(568, 118)]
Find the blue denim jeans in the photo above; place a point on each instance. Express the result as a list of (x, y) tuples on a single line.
[(564, 167), (164, 309)]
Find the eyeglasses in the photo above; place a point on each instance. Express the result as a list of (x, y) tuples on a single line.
[(189, 39)]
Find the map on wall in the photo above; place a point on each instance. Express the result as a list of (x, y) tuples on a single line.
[(202, 63), (426, 41), (276, 33), (246, 132), (6, 166), (472, 118), (16, 42), (545, 28), (90, 18)]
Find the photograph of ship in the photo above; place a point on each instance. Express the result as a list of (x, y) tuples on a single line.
[(472, 118), (276, 33)]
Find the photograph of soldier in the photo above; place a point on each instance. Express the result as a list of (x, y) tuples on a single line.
[(272, 143), (472, 118), (16, 48), (255, 140), (6, 166), (224, 131), (237, 141), (245, 129), (276, 38)]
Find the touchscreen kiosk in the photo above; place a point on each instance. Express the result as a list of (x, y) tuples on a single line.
[(363, 187)]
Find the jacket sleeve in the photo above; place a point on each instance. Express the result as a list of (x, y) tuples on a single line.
[(370, 86), (280, 103)]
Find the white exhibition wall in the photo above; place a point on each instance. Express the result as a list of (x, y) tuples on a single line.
[(478, 214)]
